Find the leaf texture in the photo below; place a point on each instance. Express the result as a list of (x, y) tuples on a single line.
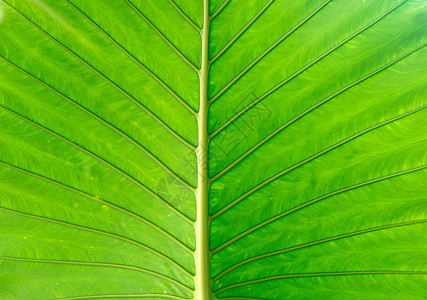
[(213, 149)]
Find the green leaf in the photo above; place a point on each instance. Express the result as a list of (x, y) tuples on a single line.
[(213, 149)]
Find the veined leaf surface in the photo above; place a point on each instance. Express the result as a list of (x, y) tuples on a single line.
[(213, 149)]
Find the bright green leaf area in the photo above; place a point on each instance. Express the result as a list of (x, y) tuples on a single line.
[(213, 149)]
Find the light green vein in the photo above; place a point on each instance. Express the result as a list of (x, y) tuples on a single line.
[(133, 58), (384, 272), (98, 264), (299, 207), (113, 84), (220, 9), (310, 109), (311, 158), (240, 298), (184, 15), (242, 31), (309, 65), (163, 37), (113, 206), (108, 124), (105, 234), (274, 45), (106, 163), (124, 296), (334, 238)]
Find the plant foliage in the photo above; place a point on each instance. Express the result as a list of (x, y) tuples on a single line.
[(243, 149)]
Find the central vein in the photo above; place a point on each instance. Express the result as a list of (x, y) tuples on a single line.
[(202, 254)]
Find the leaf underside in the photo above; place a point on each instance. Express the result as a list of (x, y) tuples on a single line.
[(316, 160)]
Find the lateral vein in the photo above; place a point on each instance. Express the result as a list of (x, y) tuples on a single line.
[(185, 16), (341, 236), (310, 109), (303, 69), (346, 273), (103, 233), (311, 158), (106, 163), (106, 123), (98, 264), (134, 59), (118, 88), (274, 45), (306, 204), (242, 31), (124, 296), (99, 200), (163, 37), (220, 9)]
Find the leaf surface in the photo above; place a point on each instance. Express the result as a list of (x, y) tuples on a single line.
[(189, 149)]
